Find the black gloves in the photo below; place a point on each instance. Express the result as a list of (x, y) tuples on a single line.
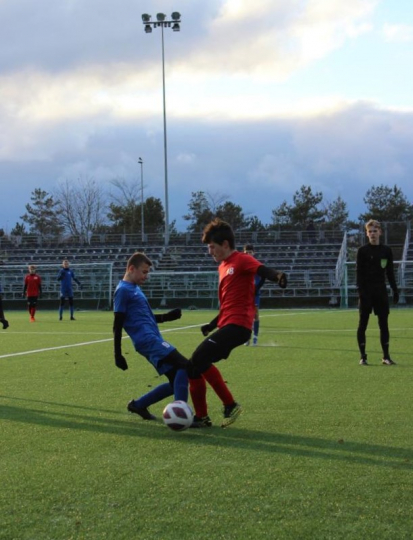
[(5, 323), (206, 329), (282, 280), (395, 297), (121, 362), (172, 315)]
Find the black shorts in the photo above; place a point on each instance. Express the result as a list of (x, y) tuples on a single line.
[(377, 301), (218, 346)]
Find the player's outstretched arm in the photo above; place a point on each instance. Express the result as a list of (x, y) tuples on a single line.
[(207, 328), (120, 361), (172, 315), (273, 275)]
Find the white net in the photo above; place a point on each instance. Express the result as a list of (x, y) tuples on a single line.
[(96, 280)]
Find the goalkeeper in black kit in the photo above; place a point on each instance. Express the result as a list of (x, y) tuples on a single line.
[(374, 263)]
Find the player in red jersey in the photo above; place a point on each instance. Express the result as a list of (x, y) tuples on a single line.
[(233, 323), (32, 290)]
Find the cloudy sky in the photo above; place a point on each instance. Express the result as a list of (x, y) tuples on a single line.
[(261, 98)]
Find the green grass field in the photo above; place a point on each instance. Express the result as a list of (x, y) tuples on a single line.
[(323, 449)]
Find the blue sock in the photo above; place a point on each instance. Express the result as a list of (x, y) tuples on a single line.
[(256, 328), (181, 385), (157, 394)]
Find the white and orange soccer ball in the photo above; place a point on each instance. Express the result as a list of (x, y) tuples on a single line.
[(178, 415)]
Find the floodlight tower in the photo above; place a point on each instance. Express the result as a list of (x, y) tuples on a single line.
[(161, 22)]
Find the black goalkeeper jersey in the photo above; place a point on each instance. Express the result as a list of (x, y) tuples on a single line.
[(374, 263)]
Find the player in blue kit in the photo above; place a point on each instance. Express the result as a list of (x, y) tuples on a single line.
[(3, 321), (133, 313), (66, 276), (258, 282)]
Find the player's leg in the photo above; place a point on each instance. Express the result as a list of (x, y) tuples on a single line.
[(61, 306), (211, 350), (72, 309), (383, 320), (178, 375), (256, 325), (365, 309), (140, 406), (3, 321)]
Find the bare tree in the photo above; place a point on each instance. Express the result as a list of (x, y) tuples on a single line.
[(82, 206)]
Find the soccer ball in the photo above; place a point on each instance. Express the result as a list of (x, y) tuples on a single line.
[(178, 415)]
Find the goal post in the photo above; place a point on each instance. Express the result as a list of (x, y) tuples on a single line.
[(96, 279)]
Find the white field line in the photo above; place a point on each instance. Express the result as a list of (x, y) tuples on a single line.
[(183, 328), (34, 351)]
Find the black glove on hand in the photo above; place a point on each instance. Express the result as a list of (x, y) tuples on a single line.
[(395, 297), (205, 329), (282, 280), (172, 315), (121, 362), (5, 323)]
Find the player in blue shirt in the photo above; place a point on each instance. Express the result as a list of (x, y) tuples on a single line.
[(66, 276), (133, 313), (258, 282), (3, 321)]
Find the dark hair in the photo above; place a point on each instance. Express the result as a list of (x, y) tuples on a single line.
[(137, 259), (218, 231), (248, 247)]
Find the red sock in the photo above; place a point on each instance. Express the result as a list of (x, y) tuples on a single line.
[(197, 388), (214, 378)]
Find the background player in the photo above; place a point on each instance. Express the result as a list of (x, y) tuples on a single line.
[(258, 282), (66, 276), (3, 321), (33, 290), (374, 263), (133, 313)]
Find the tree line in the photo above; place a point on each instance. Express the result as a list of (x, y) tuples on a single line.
[(83, 208)]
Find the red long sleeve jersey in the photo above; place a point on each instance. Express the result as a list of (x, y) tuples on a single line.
[(33, 284), (237, 289)]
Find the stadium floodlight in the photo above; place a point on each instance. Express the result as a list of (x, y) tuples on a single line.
[(174, 24)]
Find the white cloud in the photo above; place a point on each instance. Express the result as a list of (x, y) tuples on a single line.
[(398, 33)]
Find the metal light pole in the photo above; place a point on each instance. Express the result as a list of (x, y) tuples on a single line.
[(162, 23), (140, 161)]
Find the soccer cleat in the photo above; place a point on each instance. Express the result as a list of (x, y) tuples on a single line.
[(32, 319), (60, 318), (388, 362), (247, 343), (363, 360), (4, 323), (201, 422), (255, 341), (72, 319), (231, 413), (143, 413)]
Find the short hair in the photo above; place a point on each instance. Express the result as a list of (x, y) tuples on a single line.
[(373, 223), (30, 266), (248, 247), (218, 231), (137, 259)]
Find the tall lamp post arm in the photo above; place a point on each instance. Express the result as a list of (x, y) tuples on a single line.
[(174, 23)]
